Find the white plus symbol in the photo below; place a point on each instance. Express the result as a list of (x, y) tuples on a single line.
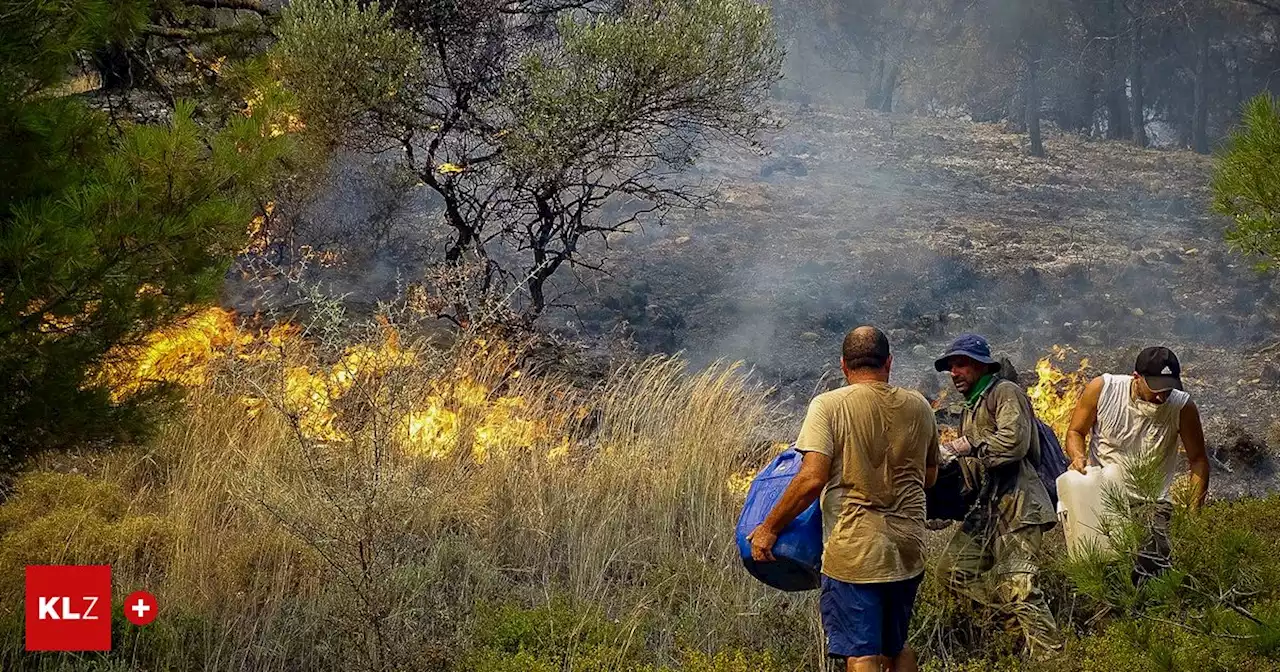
[(141, 608)]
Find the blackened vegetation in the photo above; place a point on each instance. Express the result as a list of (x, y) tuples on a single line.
[(921, 228), (1163, 72)]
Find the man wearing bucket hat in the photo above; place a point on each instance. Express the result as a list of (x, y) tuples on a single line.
[(1136, 422), (991, 556)]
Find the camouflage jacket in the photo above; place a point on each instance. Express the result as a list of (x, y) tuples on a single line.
[(1005, 442)]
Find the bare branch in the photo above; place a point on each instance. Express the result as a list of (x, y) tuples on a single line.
[(248, 5), (193, 33)]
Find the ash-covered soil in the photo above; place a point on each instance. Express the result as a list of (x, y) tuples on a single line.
[(928, 228)]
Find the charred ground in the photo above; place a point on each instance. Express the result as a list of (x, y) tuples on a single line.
[(930, 227)]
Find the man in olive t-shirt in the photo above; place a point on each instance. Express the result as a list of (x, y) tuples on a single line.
[(870, 449)]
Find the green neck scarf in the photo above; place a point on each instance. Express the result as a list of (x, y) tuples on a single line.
[(975, 394)]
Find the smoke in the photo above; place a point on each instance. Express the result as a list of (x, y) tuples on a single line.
[(925, 227)]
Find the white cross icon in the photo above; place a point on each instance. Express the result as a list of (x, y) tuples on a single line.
[(141, 608)]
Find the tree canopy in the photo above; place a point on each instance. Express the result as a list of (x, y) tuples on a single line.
[(537, 125), (1170, 71), (1246, 183), (108, 227)]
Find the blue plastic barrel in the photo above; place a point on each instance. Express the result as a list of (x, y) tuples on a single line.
[(799, 548)]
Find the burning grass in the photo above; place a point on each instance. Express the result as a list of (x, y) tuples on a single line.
[(378, 492), (1056, 392), (379, 503)]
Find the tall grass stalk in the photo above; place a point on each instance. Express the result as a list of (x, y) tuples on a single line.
[(284, 551)]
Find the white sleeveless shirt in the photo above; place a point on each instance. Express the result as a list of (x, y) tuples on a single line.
[(1130, 429)]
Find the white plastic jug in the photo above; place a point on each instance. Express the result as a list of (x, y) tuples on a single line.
[(1081, 507)]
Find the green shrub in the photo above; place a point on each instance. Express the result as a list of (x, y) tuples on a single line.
[(553, 631), (560, 636), (55, 518), (1232, 546), (1215, 610)]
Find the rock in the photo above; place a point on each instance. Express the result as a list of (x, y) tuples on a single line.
[(809, 336), (1172, 257), (964, 244), (930, 385), (954, 316), (1270, 374), (1136, 312), (787, 165), (920, 351)]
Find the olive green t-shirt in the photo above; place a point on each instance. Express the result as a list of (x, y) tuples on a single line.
[(880, 439)]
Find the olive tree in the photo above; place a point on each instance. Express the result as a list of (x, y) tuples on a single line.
[(539, 124)]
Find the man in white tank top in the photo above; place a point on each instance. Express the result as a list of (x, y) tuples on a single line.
[(1134, 423)]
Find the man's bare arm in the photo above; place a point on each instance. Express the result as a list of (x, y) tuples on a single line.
[(1082, 419), (804, 488), (1192, 434)]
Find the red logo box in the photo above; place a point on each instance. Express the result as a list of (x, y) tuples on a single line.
[(68, 607)]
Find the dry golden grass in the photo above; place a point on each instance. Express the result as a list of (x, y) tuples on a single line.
[(278, 549), (522, 524)]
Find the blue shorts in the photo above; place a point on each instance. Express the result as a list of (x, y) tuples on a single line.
[(867, 619)]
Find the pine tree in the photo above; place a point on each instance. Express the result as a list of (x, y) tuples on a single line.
[(107, 229), (1246, 184)]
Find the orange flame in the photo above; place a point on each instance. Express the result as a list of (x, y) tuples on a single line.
[(1055, 393), (257, 233), (457, 412), (180, 354)]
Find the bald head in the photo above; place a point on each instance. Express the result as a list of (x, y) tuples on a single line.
[(865, 348)]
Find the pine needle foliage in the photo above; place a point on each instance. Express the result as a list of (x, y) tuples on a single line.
[(1246, 184), (107, 230)]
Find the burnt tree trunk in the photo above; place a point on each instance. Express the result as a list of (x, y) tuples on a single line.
[(1116, 99), (889, 87), (116, 67), (875, 86), (1137, 116), (1200, 120), (1016, 110), (1033, 102), (1086, 100)]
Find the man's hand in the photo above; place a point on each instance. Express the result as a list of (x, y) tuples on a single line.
[(1192, 434), (958, 447), (1083, 418), (762, 540)]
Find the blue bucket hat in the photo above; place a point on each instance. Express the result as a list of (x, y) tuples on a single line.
[(972, 346)]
